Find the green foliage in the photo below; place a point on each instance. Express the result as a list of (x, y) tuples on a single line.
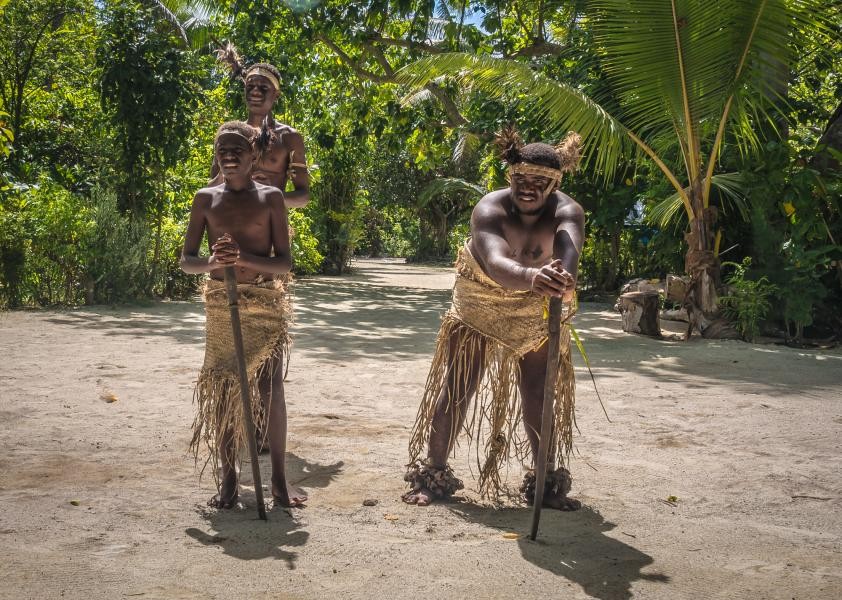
[(748, 301), (794, 227), (149, 87), (306, 258), (114, 246), (108, 134)]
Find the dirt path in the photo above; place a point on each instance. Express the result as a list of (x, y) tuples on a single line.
[(747, 438)]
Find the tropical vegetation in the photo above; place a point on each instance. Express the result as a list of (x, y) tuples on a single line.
[(712, 133)]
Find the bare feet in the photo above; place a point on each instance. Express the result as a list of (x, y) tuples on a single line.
[(422, 497), (428, 483), (560, 503), (556, 488), (286, 495), (228, 493)]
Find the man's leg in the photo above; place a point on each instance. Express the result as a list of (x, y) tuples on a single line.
[(451, 408), (533, 369), (228, 493), (283, 493)]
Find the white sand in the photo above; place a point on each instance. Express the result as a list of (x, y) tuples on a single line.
[(746, 437)]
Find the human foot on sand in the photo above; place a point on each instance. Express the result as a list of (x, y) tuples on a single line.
[(422, 497), (227, 495), (556, 487), (287, 495), (429, 483)]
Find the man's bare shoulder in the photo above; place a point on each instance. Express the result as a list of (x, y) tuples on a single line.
[(493, 204), (269, 193), (567, 207), (207, 194), (287, 130)]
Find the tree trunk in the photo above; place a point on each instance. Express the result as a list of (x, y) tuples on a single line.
[(614, 264), (701, 264), (823, 160), (640, 313)]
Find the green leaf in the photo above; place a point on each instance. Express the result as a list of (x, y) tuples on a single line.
[(449, 185), (561, 107)]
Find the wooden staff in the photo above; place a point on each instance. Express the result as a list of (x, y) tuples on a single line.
[(234, 306), (550, 380)]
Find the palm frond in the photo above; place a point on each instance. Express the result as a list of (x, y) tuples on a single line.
[(561, 107), (466, 146), (170, 17), (435, 29), (676, 63), (449, 185), (422, 96), (668, 211), (443, 11)]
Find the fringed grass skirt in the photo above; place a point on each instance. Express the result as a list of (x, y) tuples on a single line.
[(264, 317), (501, 326)]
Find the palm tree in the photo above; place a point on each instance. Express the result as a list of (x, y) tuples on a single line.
[(189, 19), (685, 72)]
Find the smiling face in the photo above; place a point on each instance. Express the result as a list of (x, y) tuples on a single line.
[(260, 94), (530, 192), (234, 155)]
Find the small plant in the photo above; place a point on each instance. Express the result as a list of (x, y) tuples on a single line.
[(747, 303)]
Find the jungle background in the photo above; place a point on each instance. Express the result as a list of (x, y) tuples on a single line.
[(108, 110)]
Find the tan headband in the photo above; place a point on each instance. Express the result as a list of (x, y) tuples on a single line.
[(230, 133), (525, 168), (273, 79)]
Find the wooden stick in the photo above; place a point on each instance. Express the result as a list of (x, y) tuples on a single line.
[(550, 380), (234, 306)]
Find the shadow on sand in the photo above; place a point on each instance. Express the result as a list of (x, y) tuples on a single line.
[(572, 545), (242, 535)]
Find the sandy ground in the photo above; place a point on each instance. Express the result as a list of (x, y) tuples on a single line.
[(746, 437)]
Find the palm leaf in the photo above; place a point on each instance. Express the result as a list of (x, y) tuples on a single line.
[(422, 96), (561, 106), (466, 146), (581, 347), (668, 211), (448, 185)]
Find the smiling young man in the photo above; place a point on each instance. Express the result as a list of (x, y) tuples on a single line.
[(246, 226), (280, 148), (524, 248)]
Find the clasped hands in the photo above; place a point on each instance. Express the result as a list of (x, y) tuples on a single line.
[(226, 252), (553, 280)]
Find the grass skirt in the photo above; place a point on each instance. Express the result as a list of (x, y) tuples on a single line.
[(502, 326), (264, 316)]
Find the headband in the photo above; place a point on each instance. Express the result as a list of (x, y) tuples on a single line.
[(230, 133), (273, 79), (526, 168)]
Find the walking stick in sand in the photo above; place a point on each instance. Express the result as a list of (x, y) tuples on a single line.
[(554, 324), (234, 306)]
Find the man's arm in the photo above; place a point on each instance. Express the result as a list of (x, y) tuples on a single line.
[(495, 251), (300, 196), (569, 239), (281, 262), (548, 280), (190, 261)]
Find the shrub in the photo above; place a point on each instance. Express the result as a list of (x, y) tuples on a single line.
[(748, 300)]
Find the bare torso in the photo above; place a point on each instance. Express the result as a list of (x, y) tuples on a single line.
[(255, 217), (531, 241), (273, 167)]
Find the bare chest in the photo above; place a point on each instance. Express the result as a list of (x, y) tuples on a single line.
[(246, 219), (532, 246), (271, 169)]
